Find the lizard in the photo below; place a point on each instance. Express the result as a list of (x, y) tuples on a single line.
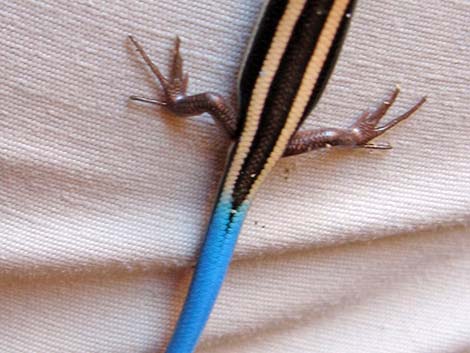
[(289, 61)]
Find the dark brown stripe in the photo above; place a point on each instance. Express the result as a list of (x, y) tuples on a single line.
[(330, 61), (257, 52)]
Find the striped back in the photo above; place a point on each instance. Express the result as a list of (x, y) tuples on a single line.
[(292, 55)]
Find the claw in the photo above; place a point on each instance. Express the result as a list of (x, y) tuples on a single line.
[(148, 61), (369, 120), (177, 66), (378, 146), (366, 125), (386, 104), (402, 117), (147, 100)]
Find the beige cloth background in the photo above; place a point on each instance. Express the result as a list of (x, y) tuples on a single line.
[(103, 202)]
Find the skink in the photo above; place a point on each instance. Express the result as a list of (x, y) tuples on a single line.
[(289, 61)]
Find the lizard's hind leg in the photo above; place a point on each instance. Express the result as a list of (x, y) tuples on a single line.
[(358, 134), (175, 99)]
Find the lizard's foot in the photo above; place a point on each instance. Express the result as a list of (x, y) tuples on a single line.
[(174, 87), (357, 135), (177, 101), (365, 128)]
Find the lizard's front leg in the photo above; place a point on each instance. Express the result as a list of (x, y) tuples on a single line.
[(359, 134), (175, 99)]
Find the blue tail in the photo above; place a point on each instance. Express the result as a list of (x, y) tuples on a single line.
[(209, 274)]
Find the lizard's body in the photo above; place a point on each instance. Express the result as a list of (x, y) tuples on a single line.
[(290, 59)]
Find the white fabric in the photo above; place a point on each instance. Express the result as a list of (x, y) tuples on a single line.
[(103, 202)]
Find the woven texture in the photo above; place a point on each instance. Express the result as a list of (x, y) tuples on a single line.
[(103, 202)]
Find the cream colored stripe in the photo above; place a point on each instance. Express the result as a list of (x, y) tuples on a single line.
[(309, 80), (266, 75)]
